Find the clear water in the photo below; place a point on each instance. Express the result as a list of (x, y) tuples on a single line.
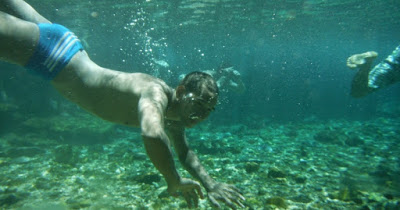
[(291, 55)]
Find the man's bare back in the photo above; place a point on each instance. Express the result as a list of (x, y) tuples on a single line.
[(111, 95)]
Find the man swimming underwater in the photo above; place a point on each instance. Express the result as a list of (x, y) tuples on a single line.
[(133, 99)]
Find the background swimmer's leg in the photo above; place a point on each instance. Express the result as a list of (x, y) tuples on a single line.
[(359, 85), (22, 10), (386, 72)]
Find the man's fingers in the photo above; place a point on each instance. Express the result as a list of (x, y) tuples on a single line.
[(230, 197), (214, 202), (234, 188), (240, 204), (238, 196), (242, 197), (197, 189), (236, 192), (233, 193), (199, 192), (235, 198), (228, 202)]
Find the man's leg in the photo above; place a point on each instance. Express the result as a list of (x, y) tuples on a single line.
[(18, 39), (22, 10)]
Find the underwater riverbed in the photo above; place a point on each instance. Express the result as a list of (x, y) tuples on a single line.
[(80, 162)]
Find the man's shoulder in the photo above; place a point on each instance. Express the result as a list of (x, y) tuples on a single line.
[(148, 83)]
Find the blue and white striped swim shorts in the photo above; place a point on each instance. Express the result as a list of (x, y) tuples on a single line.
[(57, 45)]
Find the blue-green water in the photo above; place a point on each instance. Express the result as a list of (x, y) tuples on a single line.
[(296, 114)]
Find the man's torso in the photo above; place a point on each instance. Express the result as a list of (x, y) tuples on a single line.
[(111, 95)]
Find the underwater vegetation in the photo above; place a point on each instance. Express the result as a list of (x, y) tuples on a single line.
[(81, 162)]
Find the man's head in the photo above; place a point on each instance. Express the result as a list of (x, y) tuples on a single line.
[(198, 95)]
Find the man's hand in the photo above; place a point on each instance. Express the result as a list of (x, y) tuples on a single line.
[(189, 189), (226, 193)]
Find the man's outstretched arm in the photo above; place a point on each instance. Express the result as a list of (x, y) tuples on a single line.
[(158, 149), (217, 191)]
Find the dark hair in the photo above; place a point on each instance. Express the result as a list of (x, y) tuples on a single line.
[(197, 82)]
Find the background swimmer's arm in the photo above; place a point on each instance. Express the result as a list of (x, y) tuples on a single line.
[(23, 10)]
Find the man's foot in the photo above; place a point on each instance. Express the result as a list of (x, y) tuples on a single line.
[(359, 60)]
